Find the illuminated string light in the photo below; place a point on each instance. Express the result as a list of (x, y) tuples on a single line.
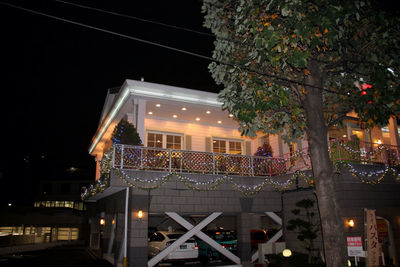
[(158, 161)]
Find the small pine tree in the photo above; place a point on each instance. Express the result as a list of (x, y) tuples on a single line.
[(125, 133), (264, 151), (307, 229)]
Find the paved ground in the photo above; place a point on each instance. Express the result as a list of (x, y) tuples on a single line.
[(64, 256)]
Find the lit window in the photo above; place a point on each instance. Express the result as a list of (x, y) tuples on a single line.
[(174, 141), (154, 140), (227, 146), (235, 147), (219, 146), (164, 140)]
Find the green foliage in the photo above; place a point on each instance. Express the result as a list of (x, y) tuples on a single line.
[(307, 228), (125, 133), (267, 52)]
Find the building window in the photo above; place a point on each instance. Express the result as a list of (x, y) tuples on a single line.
[(164, 140), (174, 142), (154, 140), (227, 146), (219, 146)]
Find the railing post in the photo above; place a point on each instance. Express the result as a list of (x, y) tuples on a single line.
[(213, 163), (181, 161), (122, 156), (141, 157), (270, 167), (338, 149), (113, 157), (251, 166), (170, 160)]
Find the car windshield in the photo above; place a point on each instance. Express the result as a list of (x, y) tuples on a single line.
[(225, 236), (174, 236)]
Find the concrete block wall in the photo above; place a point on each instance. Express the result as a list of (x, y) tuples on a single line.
[(174, 195)]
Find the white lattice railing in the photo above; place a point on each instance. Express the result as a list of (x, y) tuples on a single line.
[(148, 158)]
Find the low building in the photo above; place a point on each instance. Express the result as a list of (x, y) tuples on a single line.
[(57, 214), (195, 171)]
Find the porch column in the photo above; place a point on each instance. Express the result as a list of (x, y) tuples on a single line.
[(393, 132), (137, 231), (141, 115), (245, 223)]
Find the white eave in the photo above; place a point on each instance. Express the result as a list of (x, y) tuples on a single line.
[(152, 91)]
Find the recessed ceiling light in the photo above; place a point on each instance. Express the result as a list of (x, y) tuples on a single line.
[(150, 113), (197, 119), (158, 105), (208, 112), (183, 108), (230, 115), (175, 116), (219, 122)]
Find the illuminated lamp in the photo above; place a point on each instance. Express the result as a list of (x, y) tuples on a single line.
[(350, 223), (102, 221), (140, 214), (287, 253)]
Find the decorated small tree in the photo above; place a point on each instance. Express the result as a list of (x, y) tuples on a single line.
[(264, 151), (125, 133)]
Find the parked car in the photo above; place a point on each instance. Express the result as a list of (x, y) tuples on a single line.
[(227, 239), (159, 240)]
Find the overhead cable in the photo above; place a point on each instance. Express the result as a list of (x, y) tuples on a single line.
[(165, 46)]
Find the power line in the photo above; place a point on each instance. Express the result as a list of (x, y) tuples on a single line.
[(135, 18), (164, 46), (107, 31)]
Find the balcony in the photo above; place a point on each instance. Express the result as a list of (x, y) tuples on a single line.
[(181, 161)]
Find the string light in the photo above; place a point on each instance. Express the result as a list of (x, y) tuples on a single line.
[(205, 183)]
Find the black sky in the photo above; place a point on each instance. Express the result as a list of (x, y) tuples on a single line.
[(55, 77)]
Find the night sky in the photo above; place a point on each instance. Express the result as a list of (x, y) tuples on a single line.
[(55, 76)]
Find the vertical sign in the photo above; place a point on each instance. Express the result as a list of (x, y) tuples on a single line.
[(373, 251)]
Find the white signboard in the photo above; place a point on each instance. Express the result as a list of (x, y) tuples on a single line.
[(354, 246)]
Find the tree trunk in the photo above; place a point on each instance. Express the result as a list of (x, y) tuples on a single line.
[(323, 171)]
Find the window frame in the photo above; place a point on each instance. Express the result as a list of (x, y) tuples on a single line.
[(227, 145), (164, 139)]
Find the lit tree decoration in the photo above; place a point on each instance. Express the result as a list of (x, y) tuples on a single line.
[(125, 133)]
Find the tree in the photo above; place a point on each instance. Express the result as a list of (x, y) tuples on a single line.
[(297, 66), (264, 151), (125, 133), (308, 229)]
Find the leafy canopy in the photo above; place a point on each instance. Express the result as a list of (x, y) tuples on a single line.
[(266, 51)]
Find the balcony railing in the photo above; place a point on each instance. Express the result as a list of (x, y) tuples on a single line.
[(364, 152), (148, 158), (181, 161)]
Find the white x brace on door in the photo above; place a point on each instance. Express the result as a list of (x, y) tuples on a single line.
[(278, 220), (193, 230)]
